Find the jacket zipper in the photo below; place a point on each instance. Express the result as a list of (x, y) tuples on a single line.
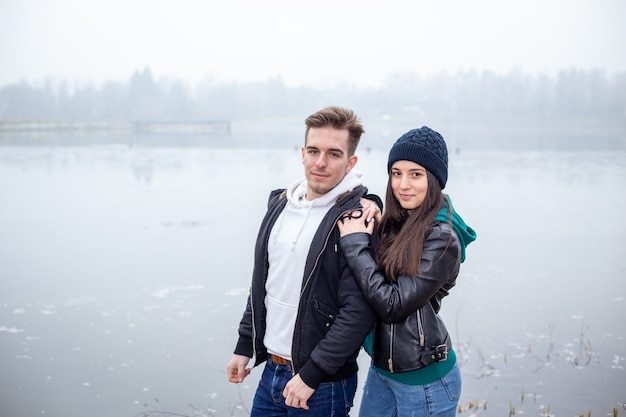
[(420, 327), (306, 284), (392, 335), (253, 326)]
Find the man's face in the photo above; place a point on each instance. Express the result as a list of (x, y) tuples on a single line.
[(325, 159)]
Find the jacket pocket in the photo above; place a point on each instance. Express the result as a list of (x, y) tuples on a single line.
[(326, 313)]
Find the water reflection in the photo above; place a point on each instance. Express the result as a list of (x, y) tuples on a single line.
[(125, 270)]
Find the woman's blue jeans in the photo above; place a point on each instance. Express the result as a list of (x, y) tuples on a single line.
[(384, 397), (330, 399)]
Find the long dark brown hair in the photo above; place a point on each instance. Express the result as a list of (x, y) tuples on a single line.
[(402, 232)]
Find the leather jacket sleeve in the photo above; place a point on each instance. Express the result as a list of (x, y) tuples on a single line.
[(394, 301)]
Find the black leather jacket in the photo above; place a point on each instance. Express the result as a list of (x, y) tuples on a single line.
[(333, 316), (409, 333)]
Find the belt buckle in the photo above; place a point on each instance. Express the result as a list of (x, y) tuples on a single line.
[(441, 353)]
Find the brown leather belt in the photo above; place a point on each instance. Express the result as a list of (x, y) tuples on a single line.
[(281, 361)]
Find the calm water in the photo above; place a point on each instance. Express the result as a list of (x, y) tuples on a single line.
[(124, 270)]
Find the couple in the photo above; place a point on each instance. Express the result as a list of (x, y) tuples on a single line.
[(331, 274)]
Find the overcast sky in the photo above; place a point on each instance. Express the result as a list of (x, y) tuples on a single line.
[(313, 42)]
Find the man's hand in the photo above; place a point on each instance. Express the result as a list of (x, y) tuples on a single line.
[(236, 368), (297, 393)]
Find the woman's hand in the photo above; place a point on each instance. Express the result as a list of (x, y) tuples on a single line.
[(354, 222), (371, 210)]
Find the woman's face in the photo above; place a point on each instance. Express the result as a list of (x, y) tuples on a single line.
[(409, 184)]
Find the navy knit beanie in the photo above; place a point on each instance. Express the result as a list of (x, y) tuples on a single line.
[(425, 147)]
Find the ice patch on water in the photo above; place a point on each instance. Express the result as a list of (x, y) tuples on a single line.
[(48, 312), (234, 292), (81, 300), (10, 329), (163, 292)]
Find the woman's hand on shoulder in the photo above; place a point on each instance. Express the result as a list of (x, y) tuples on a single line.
[(371, 210)]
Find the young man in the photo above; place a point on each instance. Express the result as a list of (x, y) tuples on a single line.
[(305, 315)]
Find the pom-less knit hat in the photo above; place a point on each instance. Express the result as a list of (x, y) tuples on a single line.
[(425, 147)]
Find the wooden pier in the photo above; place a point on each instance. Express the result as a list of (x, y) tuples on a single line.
[(190, 127), (195, 127)]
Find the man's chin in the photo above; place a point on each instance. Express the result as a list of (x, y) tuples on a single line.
[(318, 189)]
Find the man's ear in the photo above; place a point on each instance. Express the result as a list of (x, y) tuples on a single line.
[(352, 162)]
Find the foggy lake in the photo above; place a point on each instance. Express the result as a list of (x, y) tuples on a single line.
[(125, 264)]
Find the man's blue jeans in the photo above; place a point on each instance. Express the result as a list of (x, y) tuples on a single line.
[(384, 397), (331, 399)]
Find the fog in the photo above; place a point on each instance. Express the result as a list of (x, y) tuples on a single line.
[(576, 109)]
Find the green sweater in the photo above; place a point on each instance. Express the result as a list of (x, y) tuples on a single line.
[(422, 376)]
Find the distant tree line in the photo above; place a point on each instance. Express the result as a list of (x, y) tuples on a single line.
[(590, 97)]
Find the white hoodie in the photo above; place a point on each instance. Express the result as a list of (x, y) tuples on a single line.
[(288, 248)]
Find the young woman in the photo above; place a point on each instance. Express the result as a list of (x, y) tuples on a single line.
[(405, 267)]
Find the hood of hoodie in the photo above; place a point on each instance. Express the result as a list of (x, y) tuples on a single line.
[(296, 201), (465, 233), (296, 193)]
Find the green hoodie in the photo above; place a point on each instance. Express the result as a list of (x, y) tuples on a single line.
[(465, 233)]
